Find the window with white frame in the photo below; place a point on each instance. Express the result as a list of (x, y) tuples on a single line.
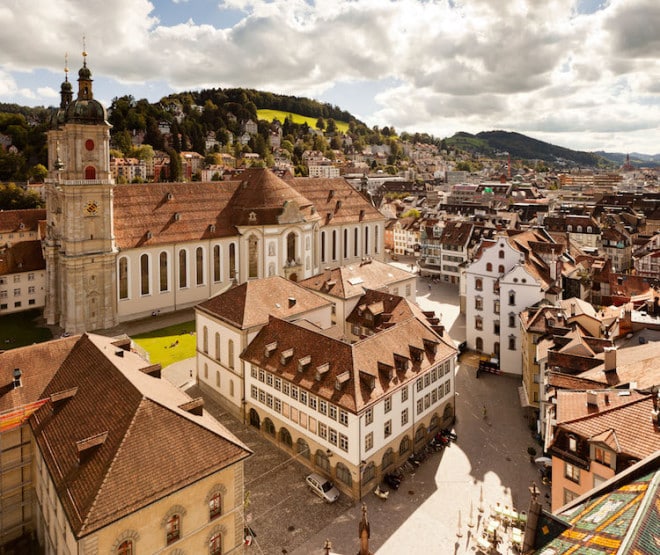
[(387, 404), (369, 441), (404, 417)]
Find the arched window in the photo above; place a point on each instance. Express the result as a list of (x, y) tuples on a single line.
[(173, 529), (376, 244), (162, 269), (125, 548), (285, 437), (253, 256), (356, 242), (205, 340), (217, 346), (269, 427), (434, 422), (123, 278), (512, 297), (478, 284), (199, 265), (215, 506), (500, 254), (512, 320), (230, 354), (291, 246), (232, 261), (302, 448), (388, 459), (500, 269), (368, 473), (579, 229), (420, 434), (344, 474), (404, 446), (589, 229), (569, 228), (144, 274), (512, 343), (334, 244), (215, 544), (321, 460), (183, 269), (90, 172), (345, 243), (479, 344), (323, 246), (366, 240), (489, 267), (217, 275)]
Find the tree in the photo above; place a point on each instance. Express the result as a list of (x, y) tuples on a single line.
[(13, 197), (38, 173), (175, 165), (143, 152), (331, 126), (320, 124), (412, 213)]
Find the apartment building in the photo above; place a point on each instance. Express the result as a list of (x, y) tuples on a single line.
[(351, 411), (599, 434), (123, 462), (22, 265)]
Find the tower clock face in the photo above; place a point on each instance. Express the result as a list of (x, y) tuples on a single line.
[(89, 144), (91, 208)]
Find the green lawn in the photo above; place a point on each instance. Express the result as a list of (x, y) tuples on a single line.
[(270, 115), (168, 345), (17, 330)]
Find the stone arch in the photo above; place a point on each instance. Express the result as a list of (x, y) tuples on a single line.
[(131, 535), (174, 510), (302, 448), (254, 419), (285, 437), (269, 427)]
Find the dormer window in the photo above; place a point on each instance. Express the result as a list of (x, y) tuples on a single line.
[(177, 216), (342, 379), (270, 349), (286, 356), (401, 363), (321, 371), (252, 217), (304, 362)]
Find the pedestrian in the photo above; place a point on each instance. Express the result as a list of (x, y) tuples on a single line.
[(485, 412)]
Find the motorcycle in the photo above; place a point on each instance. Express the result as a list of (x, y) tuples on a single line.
[(382, 493), (448, 433), (392, 480)]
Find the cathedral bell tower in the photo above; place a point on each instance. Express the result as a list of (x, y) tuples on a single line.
[(79, 247)]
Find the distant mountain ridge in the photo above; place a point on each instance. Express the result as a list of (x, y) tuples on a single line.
[(519, 146), (636, 159)]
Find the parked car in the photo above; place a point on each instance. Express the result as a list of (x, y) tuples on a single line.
[(322, 487)]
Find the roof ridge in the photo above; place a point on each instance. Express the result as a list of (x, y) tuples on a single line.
[(610, 409)]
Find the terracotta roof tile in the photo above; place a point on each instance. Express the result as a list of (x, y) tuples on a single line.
[(11, 220), (249, 304), (149, 442)]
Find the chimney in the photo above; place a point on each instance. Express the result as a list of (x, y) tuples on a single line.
[(592, 399), (17, 378), (610, 359), (572, 309)]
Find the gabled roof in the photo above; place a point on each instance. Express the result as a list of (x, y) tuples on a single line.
[(346, 282), (636, 435), (249, 304), (37, 364), (356, 365), (11, 220), (122, 440), (25, 256)]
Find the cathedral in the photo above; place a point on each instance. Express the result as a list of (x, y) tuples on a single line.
[(122, 252)]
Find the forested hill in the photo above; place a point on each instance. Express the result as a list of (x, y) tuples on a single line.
[(493, 143)]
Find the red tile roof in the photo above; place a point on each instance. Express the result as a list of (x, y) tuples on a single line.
[(11, 220), (145, 446), (25, 256), (249, 304)]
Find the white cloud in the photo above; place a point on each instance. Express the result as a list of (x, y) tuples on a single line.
[(462, 65)]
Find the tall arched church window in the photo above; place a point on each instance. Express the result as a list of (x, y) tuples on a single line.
[(162, 268), (253, 257), (199, 266), (323, 246), (356, 242), (376, 244), (366, 240), (291, 246), (217, 276), (183, 269), (144, 274), (90, 172), (232, 261), (123, 278)]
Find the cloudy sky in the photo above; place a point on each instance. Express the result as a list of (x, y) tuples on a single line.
[(584, 74)]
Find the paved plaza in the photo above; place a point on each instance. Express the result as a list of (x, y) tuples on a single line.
[(487, 465)]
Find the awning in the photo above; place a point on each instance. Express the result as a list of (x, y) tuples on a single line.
[(524, 400)]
